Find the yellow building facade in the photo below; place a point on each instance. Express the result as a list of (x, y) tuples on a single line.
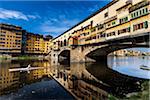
[(10, 38), (14, 40), (37, 44)]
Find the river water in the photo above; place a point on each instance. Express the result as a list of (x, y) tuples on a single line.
[(118, 78)]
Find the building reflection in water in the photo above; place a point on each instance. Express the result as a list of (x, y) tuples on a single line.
[(82, 80), (78, 81), (92, 81), (12, 81), (8, 81)]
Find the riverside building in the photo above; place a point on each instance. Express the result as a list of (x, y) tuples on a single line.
[(10, 39), (15, 41), (37, 44)]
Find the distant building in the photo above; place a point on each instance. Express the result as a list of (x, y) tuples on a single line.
[(10, 39), (36, 44), (122, 52), (125, 52), (14, 40)]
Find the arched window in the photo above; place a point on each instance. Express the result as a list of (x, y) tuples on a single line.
[(65, 43), (61, 43)]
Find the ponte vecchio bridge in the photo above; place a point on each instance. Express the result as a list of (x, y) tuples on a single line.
[(118, 25)]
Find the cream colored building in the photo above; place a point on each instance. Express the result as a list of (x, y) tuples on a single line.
[(117, 19)]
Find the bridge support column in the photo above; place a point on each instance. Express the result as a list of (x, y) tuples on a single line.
[(54, 58), (77, 55)]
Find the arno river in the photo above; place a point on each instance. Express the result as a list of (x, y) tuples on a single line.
[(120, 77)]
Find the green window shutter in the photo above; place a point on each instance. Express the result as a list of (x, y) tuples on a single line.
[(129, 28), (140, 12), (146, 10), (113, 23), (126, 18), (134, 15), (143, 11), (131, 15), (146, 24), (137, 13)]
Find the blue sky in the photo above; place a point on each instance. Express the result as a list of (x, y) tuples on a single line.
[(48, 16)]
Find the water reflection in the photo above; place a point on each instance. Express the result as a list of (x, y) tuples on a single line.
[(130, 66), (94, 81), (82, 80), (25, 86), (11, 81)]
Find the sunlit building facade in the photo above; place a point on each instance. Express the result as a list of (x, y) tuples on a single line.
[(37, 44), (8, 81), (14, 40), (10, 38), (119, 18)]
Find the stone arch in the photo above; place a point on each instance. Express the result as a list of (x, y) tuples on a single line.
[(64, 55), (103, 51)]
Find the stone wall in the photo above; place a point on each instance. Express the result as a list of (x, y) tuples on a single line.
[(78, 55)]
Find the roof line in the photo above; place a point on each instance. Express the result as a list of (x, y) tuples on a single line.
[(98, 11)]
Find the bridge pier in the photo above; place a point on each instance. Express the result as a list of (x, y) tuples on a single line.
[(54, 58), (77, 55)]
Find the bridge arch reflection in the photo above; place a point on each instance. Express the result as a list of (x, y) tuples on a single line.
[(92, 80)]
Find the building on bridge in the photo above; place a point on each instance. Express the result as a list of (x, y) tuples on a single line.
[(117, 22), (117, 19)]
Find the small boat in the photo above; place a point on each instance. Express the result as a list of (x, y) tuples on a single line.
[(144, 67)]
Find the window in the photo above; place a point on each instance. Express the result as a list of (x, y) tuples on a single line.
[(123, 20), (106, 15), (140, 26), (134, 15), (111, 34), (94, 37), (123, 30), (100, 26), (146, 24), (93, 29), (108, 24), (113, 23), (139, 13), (2, 42), (91, 23), (2, 38), (146, 10), (143, 11), (102, 35)]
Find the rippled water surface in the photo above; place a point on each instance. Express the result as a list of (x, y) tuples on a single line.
[(119, 77)]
